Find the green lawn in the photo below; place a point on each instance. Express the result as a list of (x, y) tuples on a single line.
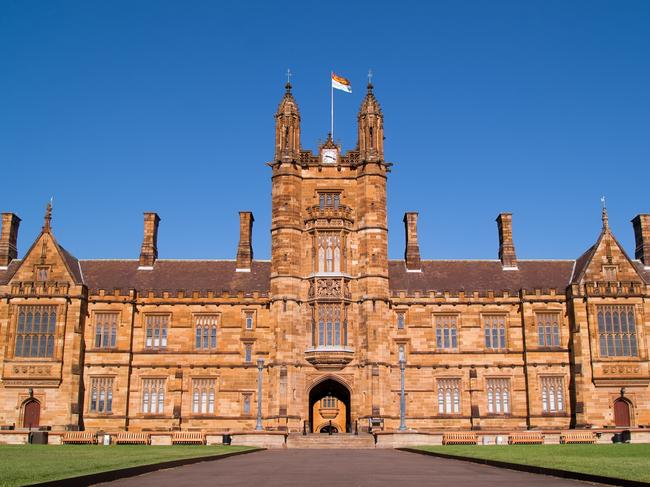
[(623, 461), (27, 464)]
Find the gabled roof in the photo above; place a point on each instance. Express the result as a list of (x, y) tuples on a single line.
[(584, 261), (480, 275), (69, 261)]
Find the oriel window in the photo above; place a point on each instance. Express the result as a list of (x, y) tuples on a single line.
[(329, 252), (332, 328)]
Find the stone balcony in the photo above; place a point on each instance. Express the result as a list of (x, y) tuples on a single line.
[(329, 358), (337, 216)]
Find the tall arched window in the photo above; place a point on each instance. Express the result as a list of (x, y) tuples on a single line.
[(329, 253)]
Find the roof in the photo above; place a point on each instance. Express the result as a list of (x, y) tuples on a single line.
[(480, 275), (5, 275), (175, 275)]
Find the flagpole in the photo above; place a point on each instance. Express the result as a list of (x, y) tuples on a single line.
[(331, 106)]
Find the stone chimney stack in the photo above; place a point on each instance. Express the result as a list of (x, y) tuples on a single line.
[(412, 250), (245, 247), (9, 238), (149, 250), (641, 225), (506, 245)]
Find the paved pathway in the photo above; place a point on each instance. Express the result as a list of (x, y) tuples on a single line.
[(333, 468)]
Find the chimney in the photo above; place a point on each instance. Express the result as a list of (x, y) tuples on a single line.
[(412, 251), (506, 245), (149, 251), (641, 225), (9, 238), (245, 247)]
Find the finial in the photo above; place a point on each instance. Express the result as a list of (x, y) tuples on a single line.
[(370, 80), (47, 223), (604, 216), (288, 85)]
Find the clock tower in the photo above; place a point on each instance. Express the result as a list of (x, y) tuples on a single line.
[(329, 269)]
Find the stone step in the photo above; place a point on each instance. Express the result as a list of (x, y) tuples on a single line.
[(337, 441)]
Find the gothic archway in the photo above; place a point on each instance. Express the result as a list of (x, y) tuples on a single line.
[(31, 413), (329, 404), (622, 412)]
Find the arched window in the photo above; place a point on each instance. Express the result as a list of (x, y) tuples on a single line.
[(329, 253), (498, 396), (203, 396), (449, 396)]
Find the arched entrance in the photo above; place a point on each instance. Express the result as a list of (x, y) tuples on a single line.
[(31, 414), (329, 407), (622, 412)]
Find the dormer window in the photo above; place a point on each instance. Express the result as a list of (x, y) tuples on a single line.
[(329, 200)]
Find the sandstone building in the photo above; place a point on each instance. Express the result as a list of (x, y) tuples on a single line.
[(156, 344)]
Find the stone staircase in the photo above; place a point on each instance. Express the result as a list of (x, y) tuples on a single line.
[(335, 441)]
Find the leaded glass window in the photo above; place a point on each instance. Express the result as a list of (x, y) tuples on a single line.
[(617, 331), (498, 396), (156, 331), (446, 332), (35, 331), (449, 396), (101, 395), (495, 332), (203, 396), (548, 329), (205, 332), (106, 330), (153, 396)]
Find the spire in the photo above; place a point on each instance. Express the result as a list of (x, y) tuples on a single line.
[(605, 218), (287, 125), (47, 221), (371, 126)]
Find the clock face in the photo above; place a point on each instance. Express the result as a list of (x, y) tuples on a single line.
[(329, 156)]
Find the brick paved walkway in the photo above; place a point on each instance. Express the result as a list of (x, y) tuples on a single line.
[(333, 468)]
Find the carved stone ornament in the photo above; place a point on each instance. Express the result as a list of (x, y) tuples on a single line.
[(328, 288)]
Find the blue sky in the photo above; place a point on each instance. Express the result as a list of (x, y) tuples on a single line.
[(115, 108)]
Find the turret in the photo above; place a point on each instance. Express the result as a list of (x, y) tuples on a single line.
[(287, 128), (371, 128)]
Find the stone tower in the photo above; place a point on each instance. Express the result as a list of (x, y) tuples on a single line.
[(329, 270)]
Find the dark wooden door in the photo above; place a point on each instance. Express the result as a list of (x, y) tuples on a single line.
[(621, 413), (32, 414)]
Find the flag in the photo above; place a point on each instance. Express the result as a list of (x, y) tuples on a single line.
[(341, 83)]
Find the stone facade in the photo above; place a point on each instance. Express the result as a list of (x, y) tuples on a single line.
[(157, 345)]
